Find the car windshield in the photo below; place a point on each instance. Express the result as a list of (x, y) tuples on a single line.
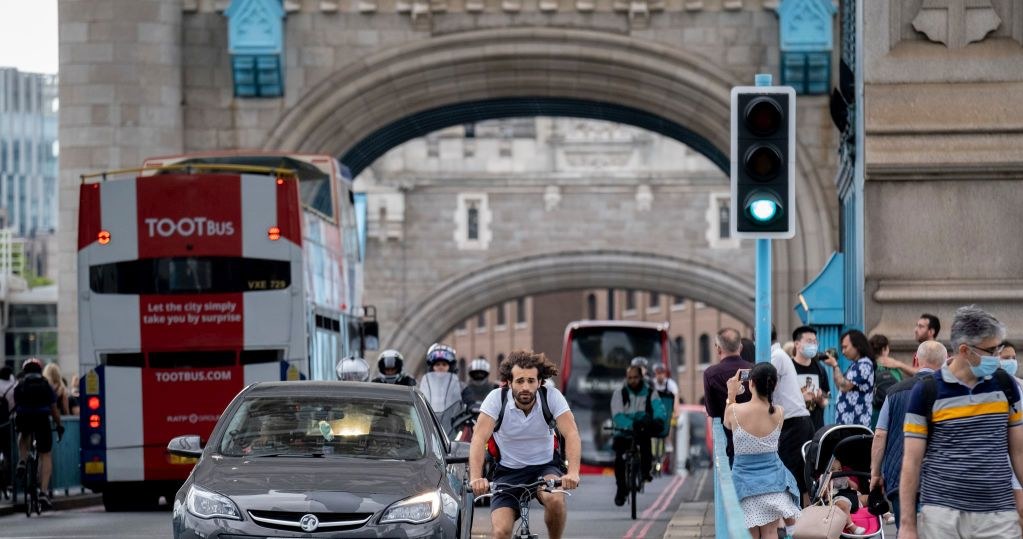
[(324, 427)]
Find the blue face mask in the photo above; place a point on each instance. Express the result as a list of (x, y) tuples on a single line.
[(1010, 366), (988, 366), (810, 350)]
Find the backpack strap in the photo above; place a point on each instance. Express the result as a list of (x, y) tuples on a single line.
[(930, 395), (625, 395), (546, 408), (1007, 384), (649, 405), (504, 402)]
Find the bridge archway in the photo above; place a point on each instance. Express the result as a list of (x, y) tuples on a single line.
[(360, 111), (464, 295)]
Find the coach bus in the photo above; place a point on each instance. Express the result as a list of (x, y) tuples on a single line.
[(198, 275), (595, 357)]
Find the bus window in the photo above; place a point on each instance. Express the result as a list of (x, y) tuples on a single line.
[(190, 359), (190, 275)]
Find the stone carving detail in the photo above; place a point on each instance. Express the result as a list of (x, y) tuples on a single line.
[(606, 159), (548, 5), (474, 6), (551, 197), (732, 5), (694, 5), (639, 10), (585, 6), (511, 6), (644, 198), (328, 7), (956, 23)]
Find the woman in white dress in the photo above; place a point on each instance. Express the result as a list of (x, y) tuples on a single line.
[(767, 491)]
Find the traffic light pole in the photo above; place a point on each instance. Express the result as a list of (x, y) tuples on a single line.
[(762, 331)]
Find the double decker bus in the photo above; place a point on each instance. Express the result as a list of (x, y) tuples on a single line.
[(198, 275), (594, 361)]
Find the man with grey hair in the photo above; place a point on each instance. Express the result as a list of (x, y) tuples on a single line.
[(728, 344), (886, 451), (960, 424)]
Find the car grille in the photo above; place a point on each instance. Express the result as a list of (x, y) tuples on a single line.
[(290, 520)]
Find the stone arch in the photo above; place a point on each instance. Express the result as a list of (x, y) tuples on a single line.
[(461, 296), (676, 86)]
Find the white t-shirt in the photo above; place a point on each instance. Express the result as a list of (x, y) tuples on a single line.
[(787, 393), (524, 440), (669, 384)]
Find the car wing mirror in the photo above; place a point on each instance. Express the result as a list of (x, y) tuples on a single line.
[(459, 453), (185, 446)]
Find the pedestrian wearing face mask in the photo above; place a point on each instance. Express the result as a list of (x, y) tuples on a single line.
[(959, 426), (1011, 366), (812, 378)]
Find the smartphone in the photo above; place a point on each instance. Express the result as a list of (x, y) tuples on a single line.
[(743, 375)]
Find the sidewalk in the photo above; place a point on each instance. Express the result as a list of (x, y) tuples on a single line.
[(692, 519), (74, 499)]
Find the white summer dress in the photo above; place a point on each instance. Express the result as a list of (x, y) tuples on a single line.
[(764, 508)]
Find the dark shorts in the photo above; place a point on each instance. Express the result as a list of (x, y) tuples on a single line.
[(39, 427), (517, 477)]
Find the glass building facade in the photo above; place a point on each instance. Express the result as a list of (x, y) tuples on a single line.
[(28, 152)]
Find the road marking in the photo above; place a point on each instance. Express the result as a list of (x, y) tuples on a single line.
[(673, 486), (667, 502)]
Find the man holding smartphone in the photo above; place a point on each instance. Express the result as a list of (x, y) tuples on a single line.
[(728, 345)]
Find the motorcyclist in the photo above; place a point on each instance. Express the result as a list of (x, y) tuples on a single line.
[(479, 385), (352, 369), (440, 385), (390, 364)]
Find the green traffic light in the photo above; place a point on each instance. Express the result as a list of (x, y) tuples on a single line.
[(763, 210), (763, 206)]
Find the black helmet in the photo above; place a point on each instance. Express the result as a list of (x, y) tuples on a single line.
[(441, 352), (390, 359)]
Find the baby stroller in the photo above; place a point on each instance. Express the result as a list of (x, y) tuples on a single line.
[(850, 444)]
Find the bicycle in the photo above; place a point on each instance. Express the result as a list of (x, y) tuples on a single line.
[(527, 492), (31, 472), (634, 479), (32, 481)]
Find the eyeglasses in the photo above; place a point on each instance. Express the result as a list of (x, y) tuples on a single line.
[(993, 351)]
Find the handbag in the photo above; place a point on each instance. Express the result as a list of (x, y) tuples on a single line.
[(820, 522)]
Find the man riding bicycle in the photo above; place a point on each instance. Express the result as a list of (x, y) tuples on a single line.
[(639, 414), (525, 441), (34, 403)]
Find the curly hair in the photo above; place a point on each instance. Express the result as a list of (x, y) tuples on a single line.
[(527, 359)]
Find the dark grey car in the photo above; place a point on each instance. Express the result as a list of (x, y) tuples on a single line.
[(324, 459)]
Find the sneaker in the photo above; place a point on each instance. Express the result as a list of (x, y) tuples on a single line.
[(45, 503), (648, 478), (619, 499)]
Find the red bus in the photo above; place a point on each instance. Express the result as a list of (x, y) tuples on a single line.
[(594, 359), (198, 275)]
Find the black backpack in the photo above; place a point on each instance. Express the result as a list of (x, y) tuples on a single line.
[(884, 379), (559, 441), (34, 392)]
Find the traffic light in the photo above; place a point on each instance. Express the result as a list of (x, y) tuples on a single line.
[(763, 162)]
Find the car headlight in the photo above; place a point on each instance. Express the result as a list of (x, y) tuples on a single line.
[(416, 510), (205, 504)]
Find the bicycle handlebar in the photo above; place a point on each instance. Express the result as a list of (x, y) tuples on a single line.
[(547, 485)]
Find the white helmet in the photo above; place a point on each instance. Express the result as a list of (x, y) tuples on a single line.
[(353, 369), (479, 365)]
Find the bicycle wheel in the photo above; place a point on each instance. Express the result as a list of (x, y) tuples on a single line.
[(31, 487), (635, 482)]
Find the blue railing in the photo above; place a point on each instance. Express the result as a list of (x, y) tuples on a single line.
[(66, 467), (729, 520)]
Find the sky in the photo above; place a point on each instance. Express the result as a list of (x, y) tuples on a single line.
[(28, 35)]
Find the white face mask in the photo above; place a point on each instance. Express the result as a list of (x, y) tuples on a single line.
[(810, 350)]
